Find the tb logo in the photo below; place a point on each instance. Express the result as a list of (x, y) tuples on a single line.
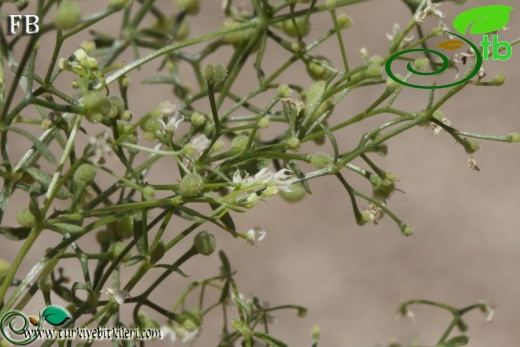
[(29, 24)]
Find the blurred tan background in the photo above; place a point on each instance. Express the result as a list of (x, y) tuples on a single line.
[(352, 279)]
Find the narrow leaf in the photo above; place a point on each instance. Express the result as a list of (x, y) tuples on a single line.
[(269, 339), (461, 340), (44, 151), (45, 179), (66, 228), (15, 234), (226, 218), (134, 260)]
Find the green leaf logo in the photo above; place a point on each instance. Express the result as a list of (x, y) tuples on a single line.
[(483, 19), (55, 315)]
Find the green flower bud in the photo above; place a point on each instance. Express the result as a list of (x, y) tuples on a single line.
[(320, 160), (194, 315), (67, 15), (393, 85), (313, 96), (296, 194), (217, 146), (297, 26), (316, 331), (293, 143), (84, 175), (376, 59), (45, 284), (124, 227), (239, 143), (214, 73), (407, 230), (318, 71), (284, 91), (205, 243), (126, 116), (513, 138), (189, 325), (471, 146), (191, 185), (119, 4), (421, 63), (145, 322), (190, 6), (264, 122), (331, 4), (358, 76), (88, 46), (151, 124), (4, 269), (116, 249), (148, 192), (383, 187), (25, 218), (374, 70), (103, 237), (237, 37), (297, 46), (117, 106), (197, 119), (95, 106), (499, 79), (344, 21), (364, 218), (125, 81)]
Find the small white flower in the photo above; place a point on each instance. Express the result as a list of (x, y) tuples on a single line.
[(472, 163), (255, 235), (437, 128), (376, 213), (280, 180), (189, 335), (100, 146), (168, 331), (396, 31), (293, 104), (200, 143), (264, 178), (430, 8), (173, 123), (118, 295), (489, 310)]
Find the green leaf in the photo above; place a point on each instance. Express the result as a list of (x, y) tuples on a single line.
[(461, 340), (66, 228), (55, 315), (15, 234), (157, 252), (159, 80), (245, 308), (173, 268), (44, 151), (482, 19), (269, 339), (134, 260), (226, 218), (45, 179)]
